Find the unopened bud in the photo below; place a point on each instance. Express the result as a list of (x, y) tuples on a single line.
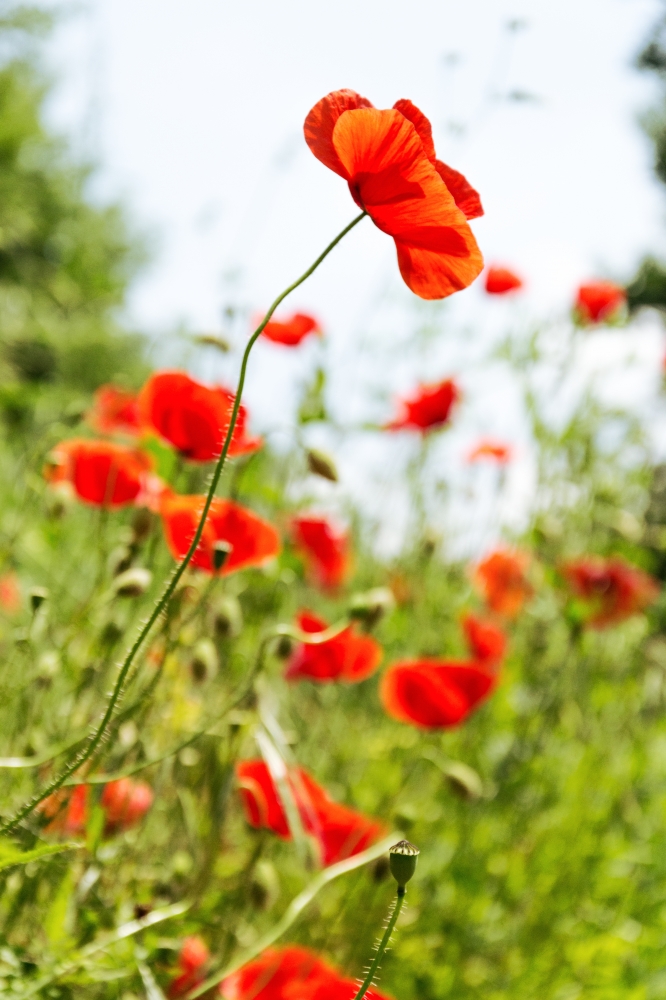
[(221, 552), (37, 597), (402, 862), (227, 618), (204, 660), (133, 582), (463, 780), (142, 524), (321, 464), (372, 606), (284, 647)]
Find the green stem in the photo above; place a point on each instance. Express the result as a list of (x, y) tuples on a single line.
[(383, 944), (98, 735)]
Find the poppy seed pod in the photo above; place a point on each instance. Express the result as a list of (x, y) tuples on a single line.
[(133, 582), (371, 607), (221, 552), (402, 862), (321, 464)]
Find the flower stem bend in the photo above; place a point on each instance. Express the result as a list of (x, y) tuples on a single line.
[(99, 733), (383, 944)]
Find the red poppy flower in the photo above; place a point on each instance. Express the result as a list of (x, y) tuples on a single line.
[(292, 331), (428, 409), (339, 831), (502, 581), (191, 961), (496, 450), (348, 657), (325, 548), (125, 802), (252, 540), (114, 411), (500, 280), (614, 589), (388, 159), (101, 472), (486, 641), (290, 973), (435, 694), (192, 417), (599, 301), (67, 810), (10, 593)]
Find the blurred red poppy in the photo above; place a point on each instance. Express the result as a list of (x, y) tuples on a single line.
[(486, 641), (500, 281), (495, 450), (114, 411), (435, 694), (10, 593), (339, 831), (599, 301), (101, 472), (252, 540), (428, 409), (67, 810), (292, 331), (192, 959), (125, 802), (290, 973), (325, 548), (192, 417), (388, 159), (348, 657), (502, 581), (613, 588)]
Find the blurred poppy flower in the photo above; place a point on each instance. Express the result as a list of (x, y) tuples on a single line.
[(10, 593), (325, 549), (502, 581), (125, 802), (598, 301), (192, 417), (500, 281), (290, 973), (486, 641), (428, 409), (114, 411), (67, 810), (100, 472), (339, 831), (348, 657), (388, 159), (252, 540), (435, 694), (192, 959), (495, 450), (292, 331), (613, 588)]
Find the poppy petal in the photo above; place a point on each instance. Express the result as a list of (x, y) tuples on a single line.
[(321, 120), (432, 694), (465, 196)]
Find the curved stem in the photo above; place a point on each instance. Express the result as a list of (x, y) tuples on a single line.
[(383, 944), (98, 735)]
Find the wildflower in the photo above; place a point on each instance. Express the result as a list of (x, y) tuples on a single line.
[(502, 581), (435, 694), (114, 411), (486, 641), (495, 450), (125, 802), (500, 281), (599, 301), (388, 159), (290, 973), (100, 472), (325, 548), (613, 589), (192, 959), (10, 593), (192, 417), (428, 409), (290, 332), (252, 540), (339, 831), (347, 657), (67, 810)]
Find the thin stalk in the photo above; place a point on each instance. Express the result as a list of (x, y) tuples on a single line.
[(98, 735), (383, 944)]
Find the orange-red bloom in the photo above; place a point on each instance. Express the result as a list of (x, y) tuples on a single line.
[(192, 959), (613, 589), (101, 472), (388, 159), (10, 593), (290, 332), (500, 281), (192, 417), (290, 973), (599, 301), (348, 657), (428, 409), (67, 810), (325, 548), (435, 694), (252, 540), (339, 831), (486, 641), (502, 581), (114, 411), (125, 802), (495, 450)]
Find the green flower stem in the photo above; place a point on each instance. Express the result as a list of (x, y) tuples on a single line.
[(100, 732), (383, 944)]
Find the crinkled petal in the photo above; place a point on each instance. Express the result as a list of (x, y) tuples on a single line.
[(465, 196), (320, 122)]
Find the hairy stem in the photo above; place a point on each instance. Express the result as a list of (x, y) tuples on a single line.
[(383, 944)]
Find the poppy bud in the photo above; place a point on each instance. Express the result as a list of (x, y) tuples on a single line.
[(133, 582), (142, 524), (320, 464), (402, 861), (372, 606), (212, 340), (227, 618), (119, 560), (221, 551), (37, 597), (204, 660), (463, 780), (284, 647)]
